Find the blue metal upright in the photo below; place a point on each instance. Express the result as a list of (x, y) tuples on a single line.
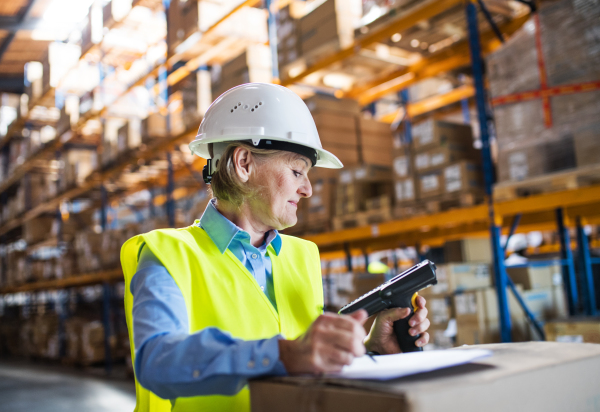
[(272, 8), (568, 267), (586, 277), (404, 99), (480, 98), (103, 208), (170, 205)]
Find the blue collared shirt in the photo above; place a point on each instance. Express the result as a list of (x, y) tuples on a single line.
[(173, 363)]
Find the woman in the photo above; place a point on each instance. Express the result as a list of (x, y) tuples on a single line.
[(228, 298)]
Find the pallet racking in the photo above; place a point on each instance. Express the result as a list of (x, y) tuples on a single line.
[(544, 211)]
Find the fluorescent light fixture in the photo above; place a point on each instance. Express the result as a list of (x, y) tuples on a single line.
[(396, 37)]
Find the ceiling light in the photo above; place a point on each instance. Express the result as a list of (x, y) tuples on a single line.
[(396, 37), (415, 43)]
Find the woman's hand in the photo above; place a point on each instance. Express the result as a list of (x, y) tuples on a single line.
[(382, 339), (331, 342)]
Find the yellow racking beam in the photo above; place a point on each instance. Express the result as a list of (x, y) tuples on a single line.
[(432, 103), (401, 23), (452, 58), (77, 280)]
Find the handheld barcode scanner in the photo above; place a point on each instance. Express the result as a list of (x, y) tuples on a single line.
[(399, 292)]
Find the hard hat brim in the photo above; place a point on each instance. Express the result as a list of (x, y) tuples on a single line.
[(199, 147)]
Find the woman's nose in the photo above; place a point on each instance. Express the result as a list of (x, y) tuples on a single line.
[(305, 190)]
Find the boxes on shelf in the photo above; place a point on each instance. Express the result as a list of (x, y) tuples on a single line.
[(252, 65), (573, 330), (438, 134), (535, 139), (78, 165), (443, 156), (325, 103), (536, 277), (319, 208), (546, 303), (376, 142), (363, 196), (182, 21), (338, 134), (457, 277), (288, 35), (154, 127), (477, 317), (40, 228), (189, 100), (470, 250), (329, 27), (85, 341)]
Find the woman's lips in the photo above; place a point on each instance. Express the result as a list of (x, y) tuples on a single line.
[(295, 204)]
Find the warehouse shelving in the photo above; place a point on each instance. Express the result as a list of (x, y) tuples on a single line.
[(537, 212)]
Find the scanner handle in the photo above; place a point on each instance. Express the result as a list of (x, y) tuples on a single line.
[(401, 327)]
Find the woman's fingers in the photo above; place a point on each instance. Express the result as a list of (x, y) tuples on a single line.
[(419, 316), (419, 328), (423, 340)]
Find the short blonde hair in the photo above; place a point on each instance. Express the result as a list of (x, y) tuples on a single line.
[(226, 184)]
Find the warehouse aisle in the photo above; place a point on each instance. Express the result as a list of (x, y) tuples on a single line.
[(26, 387)]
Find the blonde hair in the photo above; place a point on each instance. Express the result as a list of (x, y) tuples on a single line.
[(226, 184)]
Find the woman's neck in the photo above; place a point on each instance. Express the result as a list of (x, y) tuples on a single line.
[(242, 217)]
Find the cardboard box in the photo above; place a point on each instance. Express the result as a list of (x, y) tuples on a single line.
[(455, 277), (442, 156), (431, 134), (573, 330), (533, 373), (319, 102), (547, 303), (536, 277), (464, 176), (182, 21), (405, 190), (320, 206), (470, 250), (430, 184), (330, 26)]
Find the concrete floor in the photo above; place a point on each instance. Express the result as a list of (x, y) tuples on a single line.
[(56, 388)]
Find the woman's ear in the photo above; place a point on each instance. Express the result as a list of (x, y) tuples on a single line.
[(243, 163)]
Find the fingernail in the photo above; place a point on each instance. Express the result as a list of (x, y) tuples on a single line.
[(412, 332), (419, 343), (412, 322)]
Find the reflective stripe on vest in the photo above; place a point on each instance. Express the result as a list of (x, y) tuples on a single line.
[(220, 292)]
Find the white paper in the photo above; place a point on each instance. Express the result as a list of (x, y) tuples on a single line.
[(403, 364)]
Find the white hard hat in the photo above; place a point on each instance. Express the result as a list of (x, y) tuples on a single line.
[(268, 116)]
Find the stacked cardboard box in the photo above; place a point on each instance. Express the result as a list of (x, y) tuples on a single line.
[(182, 21), (252, 65), (120, 136), (288, 35), (336, 123), (191, 96), (405, 189), (85, 341), (329, 27), (316, 212), (363, 196), (573, 330), (78, 165), (477, 317), (527, 145), (445, 161)]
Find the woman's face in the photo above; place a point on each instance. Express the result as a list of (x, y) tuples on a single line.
[(280, 182)]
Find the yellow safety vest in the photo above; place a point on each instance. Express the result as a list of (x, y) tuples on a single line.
[(220, 292)]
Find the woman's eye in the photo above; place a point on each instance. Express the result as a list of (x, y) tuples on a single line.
[(297, 174)]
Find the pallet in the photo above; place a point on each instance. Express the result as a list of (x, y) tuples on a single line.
[(358, 219), (452, 201), (553, 182)]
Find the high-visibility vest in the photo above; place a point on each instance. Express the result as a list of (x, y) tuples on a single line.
[(220, 292)]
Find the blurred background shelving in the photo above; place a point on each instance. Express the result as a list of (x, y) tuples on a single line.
[(488, 167)]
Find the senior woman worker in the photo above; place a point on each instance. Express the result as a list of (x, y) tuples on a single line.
[(228, 298)]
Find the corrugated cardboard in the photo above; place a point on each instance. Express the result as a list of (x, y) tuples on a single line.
[(431, 134), (470, 250), (530, 376), (573, 330), (536, 277)]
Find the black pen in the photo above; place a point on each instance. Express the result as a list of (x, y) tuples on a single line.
[(371, 356)]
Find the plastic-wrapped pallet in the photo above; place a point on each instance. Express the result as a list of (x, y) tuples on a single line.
[(529, 145)]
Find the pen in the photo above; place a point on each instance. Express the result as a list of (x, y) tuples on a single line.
[(371, 356)]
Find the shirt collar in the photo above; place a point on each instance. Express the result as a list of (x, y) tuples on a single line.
[(222, 231)]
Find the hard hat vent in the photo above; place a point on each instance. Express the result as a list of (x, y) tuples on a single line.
[(243, 106)]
